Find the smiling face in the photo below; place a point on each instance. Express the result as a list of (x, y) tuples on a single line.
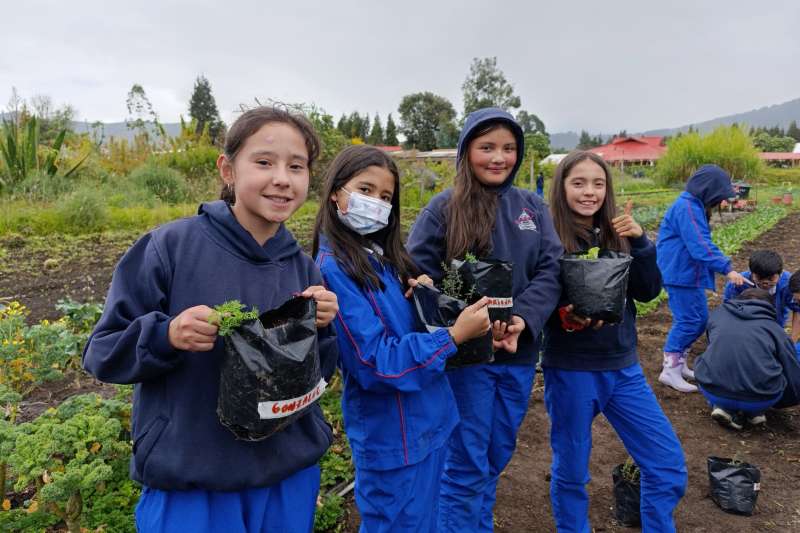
[(270, 177), (492, 156), (585, 190), (767, 283)]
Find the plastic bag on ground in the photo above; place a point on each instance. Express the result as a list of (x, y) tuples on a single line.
[(627, 498), (734, 486), (271, 372), (597, 287), (435, 310)]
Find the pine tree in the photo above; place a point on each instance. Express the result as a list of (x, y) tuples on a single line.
[(585, 140), (391, 132), (376, 134), (344, 126), (793, 131), (203, 109), (364, 133)]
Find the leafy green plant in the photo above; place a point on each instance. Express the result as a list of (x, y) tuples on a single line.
[(630, 471), (166, 184), (453, 283), (328, 514), (23, 153), (80, 316), (591, 253), (230, 315), (85, 208)]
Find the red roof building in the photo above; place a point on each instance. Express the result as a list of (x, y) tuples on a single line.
[(781, 158), (621, 151)]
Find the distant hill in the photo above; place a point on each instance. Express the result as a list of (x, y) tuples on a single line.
[(768, 116), (119, 130)]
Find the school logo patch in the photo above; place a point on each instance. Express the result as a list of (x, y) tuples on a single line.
[(525, 221)]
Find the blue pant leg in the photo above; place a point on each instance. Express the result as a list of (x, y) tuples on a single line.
[(648, 436), (402, 499), (286, 507), (572, 401), (689, 309), (514, 384), (466, 467), (199, 511), (750, 408)]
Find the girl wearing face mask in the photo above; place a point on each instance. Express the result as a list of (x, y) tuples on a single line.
[(398, 407)]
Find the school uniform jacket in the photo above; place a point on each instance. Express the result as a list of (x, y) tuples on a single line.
[(784, 300), (178, 441)]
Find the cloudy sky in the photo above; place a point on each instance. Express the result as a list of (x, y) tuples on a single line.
[(601, 66)]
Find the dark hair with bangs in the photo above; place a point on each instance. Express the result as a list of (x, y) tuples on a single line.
[(347, 245), (253, 120), (472, 208), (574, 236)]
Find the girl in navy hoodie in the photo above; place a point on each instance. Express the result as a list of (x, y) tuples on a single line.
[(484, 214), (155, 332), (591, 367), (397, 405)]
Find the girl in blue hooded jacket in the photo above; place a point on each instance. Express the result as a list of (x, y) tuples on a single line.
[(397, 404), (484, 214), (155, 332), (591, 367), (688, 260)]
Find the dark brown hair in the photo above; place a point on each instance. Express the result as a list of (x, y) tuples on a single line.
[(755, 293), (347, 245), (574, 236), (472, 208), (253, 120)]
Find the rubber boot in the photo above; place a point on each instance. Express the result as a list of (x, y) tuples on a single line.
[(686, 372), (671, 373)]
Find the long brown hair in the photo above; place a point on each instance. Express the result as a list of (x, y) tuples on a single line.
[(472, 208), (253, 120), (574, 236), (347, 245)]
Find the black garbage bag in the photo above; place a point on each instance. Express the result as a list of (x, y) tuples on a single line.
[(626, 498), (597, 287), (435, 310), (491, 278), (271, 373), (734, 485)]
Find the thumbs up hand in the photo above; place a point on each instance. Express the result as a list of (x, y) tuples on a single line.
[(625, 225)]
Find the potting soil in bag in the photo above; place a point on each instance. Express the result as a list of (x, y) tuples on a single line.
[(435, 310), (597, 287), (626, 499), (271, 373), (734, 486), (490, 278)]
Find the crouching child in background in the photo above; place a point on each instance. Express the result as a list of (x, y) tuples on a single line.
[(750, 364)]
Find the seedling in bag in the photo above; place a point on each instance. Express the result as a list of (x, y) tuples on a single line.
[(230, 315), (597, 287), (627, 493)]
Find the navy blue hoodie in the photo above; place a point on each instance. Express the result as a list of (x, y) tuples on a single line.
[(523, 233), (179, 444), (749, 356), (613, 346)]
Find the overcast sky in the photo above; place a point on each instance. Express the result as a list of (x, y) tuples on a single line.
[(596, 65)]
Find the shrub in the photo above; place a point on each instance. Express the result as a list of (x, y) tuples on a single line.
[(84, 209), (39, 186), (166, 184)]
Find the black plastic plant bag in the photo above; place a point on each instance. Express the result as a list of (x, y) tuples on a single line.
[(271, 373), (734, 486), (626, 499), (435, 310), (597, 287), (490, 278)]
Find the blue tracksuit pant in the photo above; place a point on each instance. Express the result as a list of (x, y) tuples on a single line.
[(287, 507), (492, 401), (750, 408), (403, 499), (689, 308), (573, 398)]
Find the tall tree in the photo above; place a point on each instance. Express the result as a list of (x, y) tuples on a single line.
[(203, 109), (141, 112), (376, 134), (344, 126), (793, 131), (530, 123), (422, 116), (585, 141), (391, 132), (487, 86), (364, 133)]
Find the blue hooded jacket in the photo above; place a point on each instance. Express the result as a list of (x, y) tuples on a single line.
[(397, 403), (749, 357), (178, 441), (523, 234), (686, 255)]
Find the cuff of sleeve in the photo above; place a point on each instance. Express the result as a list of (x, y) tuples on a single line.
[(728, 269), (444, 340), (159, 342), (639, 242)]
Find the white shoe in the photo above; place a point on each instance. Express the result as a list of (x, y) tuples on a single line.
[(724, 418), (686, 372), (671, 374), (758, 420)]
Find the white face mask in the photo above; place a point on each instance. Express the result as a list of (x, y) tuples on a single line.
[(365, 214)]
